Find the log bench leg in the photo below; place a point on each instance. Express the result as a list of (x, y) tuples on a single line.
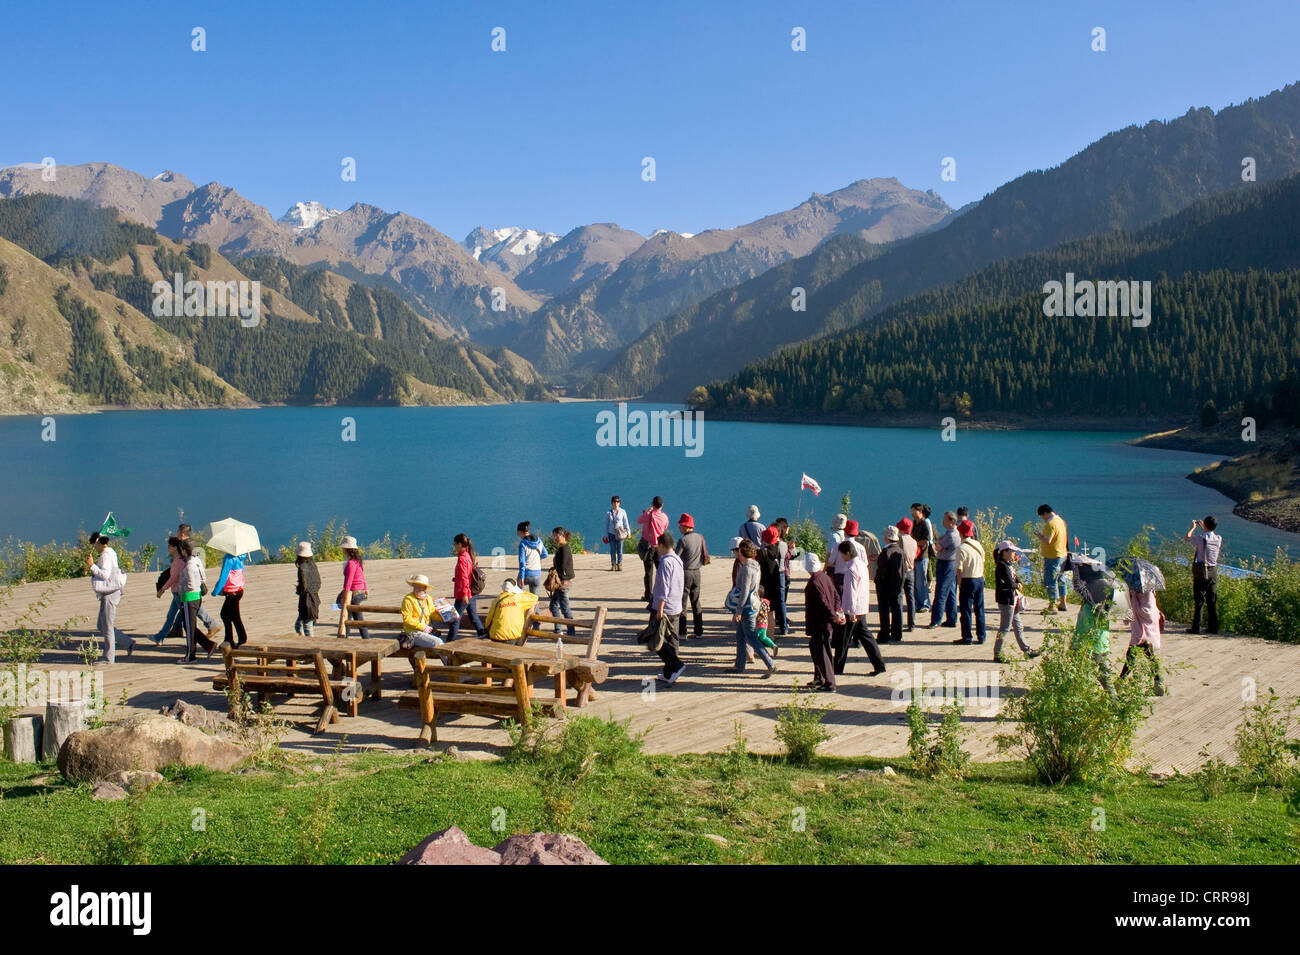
[(376, 681), (328, 715)]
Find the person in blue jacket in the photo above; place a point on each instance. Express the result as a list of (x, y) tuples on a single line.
[(531, 554)]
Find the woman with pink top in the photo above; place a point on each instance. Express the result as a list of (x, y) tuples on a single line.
[(462, 584), (1147, 621), (354, 581)]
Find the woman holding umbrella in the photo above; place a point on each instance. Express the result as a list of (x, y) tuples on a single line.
[(1146, 621), (236, 540)]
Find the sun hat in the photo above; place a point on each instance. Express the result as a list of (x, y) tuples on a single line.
[(851, 528), (304, 548), (891, 533), (418, 580), (811, 562), (1007, 545), (349, 543), (966, 529), (737, 541), (753, 512), (686, 521), (905, 525), (771, 535), (837, 522)]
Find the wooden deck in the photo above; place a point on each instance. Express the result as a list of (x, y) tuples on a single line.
[(696, 715)]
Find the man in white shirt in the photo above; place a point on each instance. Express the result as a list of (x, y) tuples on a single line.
[(855, 601), (1205, 574)]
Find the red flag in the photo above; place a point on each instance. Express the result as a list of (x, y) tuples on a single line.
[(811, 485)]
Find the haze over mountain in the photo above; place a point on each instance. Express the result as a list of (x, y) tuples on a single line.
[(670, 270), (1126, 180)]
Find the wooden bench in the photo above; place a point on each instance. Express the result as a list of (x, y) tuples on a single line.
[(582, 676), (589, 634), (303, 673)]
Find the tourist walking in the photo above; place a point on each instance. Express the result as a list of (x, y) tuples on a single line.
[(946, 547), (186, 533), (308, 590), (108, 581), (230, 584), (752, 529), (970, 566), (694, 553), (770, 558), (891, 571), (531, 554), (1205, 574), (790, 551), (170, 584), (1053, 546), (653, 522), (666, 607), (923, 534), (617, 530), (465, 579), (193, 583), (822, 612), (1092, 630), (1146, 625), (417, 616), (910, 550), (855, 601), (354, 581), (562, 567), (1007, 592), (743, 602)]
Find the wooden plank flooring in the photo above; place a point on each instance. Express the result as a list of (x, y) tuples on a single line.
[(697, 715)]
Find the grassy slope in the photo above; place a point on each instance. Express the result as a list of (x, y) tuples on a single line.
[(372, 808)]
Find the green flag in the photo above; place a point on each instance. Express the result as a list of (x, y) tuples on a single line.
[(112, 528)]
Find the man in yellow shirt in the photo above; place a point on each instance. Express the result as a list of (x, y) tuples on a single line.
[(506, 617), (1054, 546), (417, 616)]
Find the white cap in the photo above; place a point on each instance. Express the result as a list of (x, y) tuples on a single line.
[(811, 563)]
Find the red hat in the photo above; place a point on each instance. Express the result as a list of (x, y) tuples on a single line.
[(686, 521), (771, 535), (966, 529), (851, 529), (905, 525)]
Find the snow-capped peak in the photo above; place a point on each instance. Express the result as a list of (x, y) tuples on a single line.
[(684, 235), (165, 176), (304, 215), (492, 243)]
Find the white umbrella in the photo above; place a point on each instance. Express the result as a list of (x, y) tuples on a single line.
[(233, 537)]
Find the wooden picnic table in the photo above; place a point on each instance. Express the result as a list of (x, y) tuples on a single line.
[(536, 661), (349, 655)]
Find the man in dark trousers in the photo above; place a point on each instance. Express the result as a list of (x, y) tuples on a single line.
[(1205, 574), (821, 614), (666, 604), (694, 553), (889, 587)]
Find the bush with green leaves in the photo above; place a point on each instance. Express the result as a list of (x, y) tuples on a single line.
[(566, 756), (327, 545), (799, 727), (1069, 728), (809, 538), (576, 542), (938, 751), (1265, 751), (25, 561)]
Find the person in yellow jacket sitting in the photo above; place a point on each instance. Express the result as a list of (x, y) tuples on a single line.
[(417, 616), (509, 611)]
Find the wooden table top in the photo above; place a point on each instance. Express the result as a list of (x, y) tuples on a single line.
[(501, 653), (331, 648)]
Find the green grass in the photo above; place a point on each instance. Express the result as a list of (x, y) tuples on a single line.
[(371, 808)]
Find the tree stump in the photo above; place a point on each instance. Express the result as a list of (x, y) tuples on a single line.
[(23, 739), (62, 719)]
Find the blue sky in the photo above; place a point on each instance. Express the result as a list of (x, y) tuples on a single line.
[(550, 134)]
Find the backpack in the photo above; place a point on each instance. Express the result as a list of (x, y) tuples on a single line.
[(477, 580)]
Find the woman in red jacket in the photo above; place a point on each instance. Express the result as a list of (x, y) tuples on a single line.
[(462, 589)]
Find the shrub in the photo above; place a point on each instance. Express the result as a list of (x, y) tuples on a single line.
[(1068, 726), (327, 545), (799, 727), (1214, 776), (1263, 749), (940, 753), (576, 542), (991, 524), (24, 642), (810, 538), (25, 561)]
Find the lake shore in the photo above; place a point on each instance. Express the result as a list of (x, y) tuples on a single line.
[(912, 419), (1264, 483)]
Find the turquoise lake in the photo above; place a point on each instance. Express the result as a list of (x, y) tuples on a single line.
[(429, 473)]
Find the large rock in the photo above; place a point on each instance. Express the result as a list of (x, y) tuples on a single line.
[(144, 743), (547, 848), (449, 847)]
